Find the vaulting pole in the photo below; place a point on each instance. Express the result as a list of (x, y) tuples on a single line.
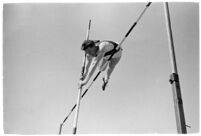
[(80, 90), (174, 78), (77, 111)]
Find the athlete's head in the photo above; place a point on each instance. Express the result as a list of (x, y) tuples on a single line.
[(86, 44)]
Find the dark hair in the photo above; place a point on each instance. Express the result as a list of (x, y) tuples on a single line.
[(86, 44)]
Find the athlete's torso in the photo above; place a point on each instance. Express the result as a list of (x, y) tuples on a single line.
[(108, 47)]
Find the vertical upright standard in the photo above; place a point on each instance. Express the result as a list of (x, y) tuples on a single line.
[(80, 88), (174, 78)]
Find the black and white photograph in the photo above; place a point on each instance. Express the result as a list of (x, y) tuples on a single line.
[(100, 68)]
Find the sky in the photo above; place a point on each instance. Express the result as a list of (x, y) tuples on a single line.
[(42, 63)]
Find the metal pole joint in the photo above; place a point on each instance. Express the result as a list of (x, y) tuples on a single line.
[(174, 77)]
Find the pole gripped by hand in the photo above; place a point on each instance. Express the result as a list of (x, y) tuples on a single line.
[(81, 84)]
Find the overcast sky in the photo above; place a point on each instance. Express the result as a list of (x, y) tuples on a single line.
[(42, 63)]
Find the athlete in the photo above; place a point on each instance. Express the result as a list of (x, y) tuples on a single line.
[(97, 53)]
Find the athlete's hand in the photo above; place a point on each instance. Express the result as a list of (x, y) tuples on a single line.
[(82, 77), (81, 84)]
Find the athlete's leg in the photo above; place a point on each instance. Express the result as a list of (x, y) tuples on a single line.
[(102, 65), (113, 62)]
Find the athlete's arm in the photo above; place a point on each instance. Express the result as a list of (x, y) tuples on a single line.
[(87, 65), (94, 65)]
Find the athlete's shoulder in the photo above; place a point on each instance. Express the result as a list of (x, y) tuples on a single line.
[(105, 45)]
